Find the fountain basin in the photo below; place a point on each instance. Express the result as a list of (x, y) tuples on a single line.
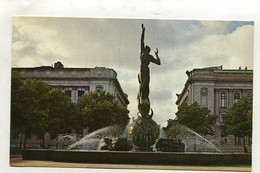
[(131, 157)]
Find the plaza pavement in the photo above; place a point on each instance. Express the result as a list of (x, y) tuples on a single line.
[(18, 162)]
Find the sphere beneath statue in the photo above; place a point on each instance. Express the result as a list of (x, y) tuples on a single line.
[(143, 132)]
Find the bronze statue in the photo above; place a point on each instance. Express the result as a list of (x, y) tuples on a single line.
[(144, 77)]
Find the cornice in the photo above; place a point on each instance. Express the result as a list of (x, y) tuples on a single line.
[(222, 79)]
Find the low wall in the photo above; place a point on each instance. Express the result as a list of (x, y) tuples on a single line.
[(118, 157)]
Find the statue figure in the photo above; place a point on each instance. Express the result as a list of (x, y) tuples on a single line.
[(144, 77)]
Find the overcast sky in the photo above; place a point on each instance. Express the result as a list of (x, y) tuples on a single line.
[(115, 43)]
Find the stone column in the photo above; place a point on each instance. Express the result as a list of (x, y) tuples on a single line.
[(230, 98), (217, 105), (243, 93), (74, 94), (217, 102)]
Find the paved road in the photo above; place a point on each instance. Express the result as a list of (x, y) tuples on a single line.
[(18, 162)]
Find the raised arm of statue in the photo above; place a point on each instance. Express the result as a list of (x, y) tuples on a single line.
[(157, 60), (142, 38)]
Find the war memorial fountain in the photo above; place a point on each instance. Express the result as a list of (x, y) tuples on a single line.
[(138, 143)]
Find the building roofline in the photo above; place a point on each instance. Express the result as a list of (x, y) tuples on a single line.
[(179, 96), (233, 71), (121, 91), (216, 69), (65, 68), (43, 68)]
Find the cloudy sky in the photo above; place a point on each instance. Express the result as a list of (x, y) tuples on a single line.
[(115, 43)]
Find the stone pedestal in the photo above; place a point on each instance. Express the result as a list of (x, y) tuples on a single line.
[(170, 145), (115, 144)]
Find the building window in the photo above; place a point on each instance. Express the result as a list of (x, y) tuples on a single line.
[(204, 97), (68, 92), (222, 115), (249, 95), (81, 91), (223, 100), (99, 88), (236, 97), (87, 89)]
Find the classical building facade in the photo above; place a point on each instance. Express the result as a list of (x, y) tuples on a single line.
[(217, 89), (77, 81), (74, 82)]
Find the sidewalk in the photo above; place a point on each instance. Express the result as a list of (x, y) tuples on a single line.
[(18, 162)]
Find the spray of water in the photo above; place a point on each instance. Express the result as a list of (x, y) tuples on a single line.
[(92, 141), (201, 141), (192, 139), (226, 144), (64, 140)]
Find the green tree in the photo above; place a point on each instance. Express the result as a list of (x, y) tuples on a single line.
[(96, 110), (238, 120), (28, 106), (60, 113), (35, 111), (36, 108), (197, 118), (177, 129), (17, 120)]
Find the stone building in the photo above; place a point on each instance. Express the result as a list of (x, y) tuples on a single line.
[(75, 82), (217, 89)]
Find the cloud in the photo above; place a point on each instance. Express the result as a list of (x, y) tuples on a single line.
[(115, 43), (231, 50), (161, 95)]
